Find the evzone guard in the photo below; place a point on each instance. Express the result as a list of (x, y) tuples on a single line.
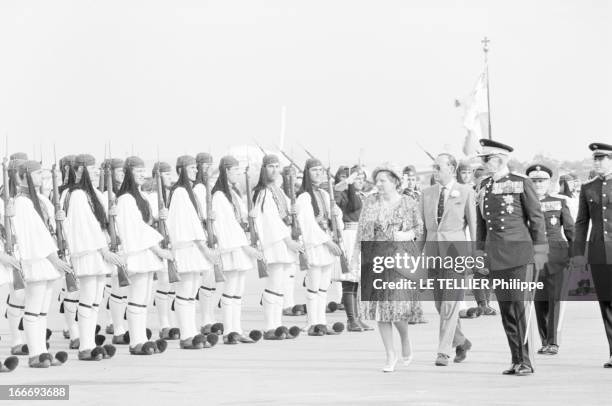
[(116, 294), (193, 257), (85, 229), (273, 220), (206, 294), (15, 302), (41, 265), (112, 167), (165, 294), (314, 214), (237, 256), (143, 255)]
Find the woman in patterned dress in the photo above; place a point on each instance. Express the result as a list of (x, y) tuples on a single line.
[(389, 216)]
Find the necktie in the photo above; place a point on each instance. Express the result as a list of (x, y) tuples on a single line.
[(441, 204)]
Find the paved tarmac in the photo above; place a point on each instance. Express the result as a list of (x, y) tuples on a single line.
[(344, 369)]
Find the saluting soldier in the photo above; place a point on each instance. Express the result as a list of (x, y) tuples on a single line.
[(595, 209), (560, 233), (511, 230)]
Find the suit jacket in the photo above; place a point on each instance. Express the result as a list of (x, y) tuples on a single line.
[(459, 216), (595, 208)]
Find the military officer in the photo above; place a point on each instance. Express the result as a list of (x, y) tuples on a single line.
[(560, 233), (411, 186), (595, 208), (511, 231)]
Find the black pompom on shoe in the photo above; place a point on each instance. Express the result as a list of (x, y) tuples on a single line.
[(11, 363), (212, 339), (294, 332), (174, 334), (217, 328), (109, 351), (338, 327), (148, 347), (297, 310), (100, 339), (98, 353), (281, 332), (61, 357), (255, 335), (198, 341), (161, 345), (231, 338), (332, 307)]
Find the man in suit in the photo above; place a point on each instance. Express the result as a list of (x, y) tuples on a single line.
[(512, 233), (595, 208), (448, 208)]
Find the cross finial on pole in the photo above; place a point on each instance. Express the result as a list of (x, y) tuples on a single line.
[(485, 47)]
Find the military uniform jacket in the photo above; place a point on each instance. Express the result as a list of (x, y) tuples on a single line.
[(559, 227), (595, 205), (510, 222)]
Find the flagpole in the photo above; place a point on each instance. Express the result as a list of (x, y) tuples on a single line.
[(485, 49)]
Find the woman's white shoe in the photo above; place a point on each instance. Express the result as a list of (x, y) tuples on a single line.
[(407, 360), (390, 366)]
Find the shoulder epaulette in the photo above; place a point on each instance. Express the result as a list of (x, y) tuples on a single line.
[(590, 180)]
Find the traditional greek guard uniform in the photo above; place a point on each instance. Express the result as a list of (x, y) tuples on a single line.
[(15, 302), (289, 306), (229, 228), (188, 241), (117, 298), (511, 229), (164, 292), (37, 249), (273, 221), (10, 363), (595, 210), (315, 234), (206, 296), (86, 238), (140, 246)]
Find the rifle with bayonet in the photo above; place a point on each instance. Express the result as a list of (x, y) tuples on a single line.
[(208, 224), (295, 227), (122, 274), (336, 233), (262, 268), (9, 238), (173, 275), (72, 283)]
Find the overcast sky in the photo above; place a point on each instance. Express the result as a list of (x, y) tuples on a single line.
[(194, 76)]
